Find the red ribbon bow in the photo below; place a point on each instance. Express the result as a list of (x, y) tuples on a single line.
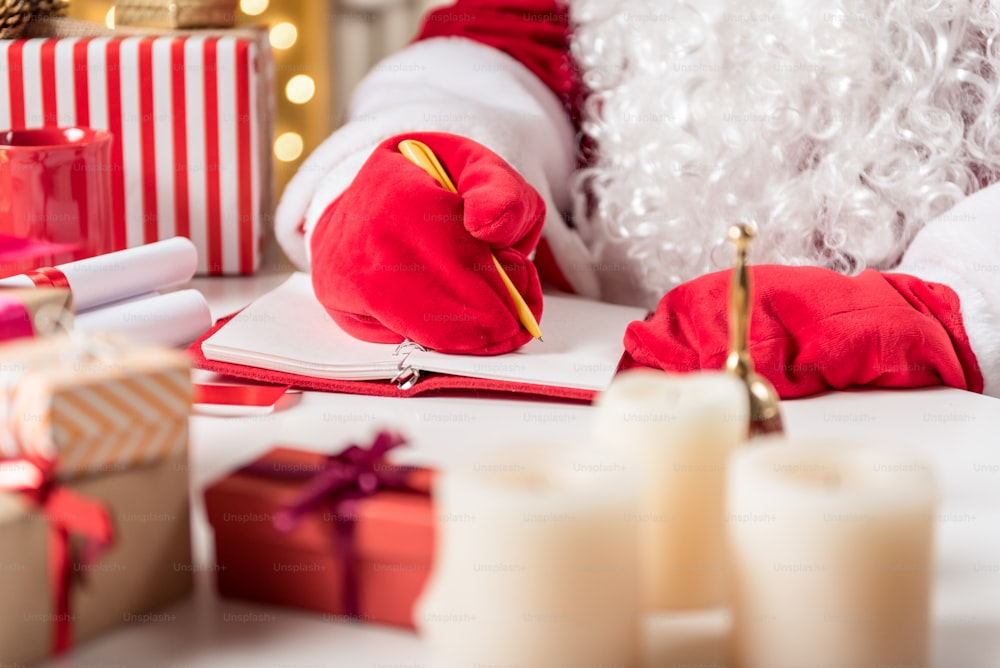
[(67, 514), (344, 479)]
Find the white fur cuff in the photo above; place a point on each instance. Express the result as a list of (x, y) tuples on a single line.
[(958, 249), (447, 85)]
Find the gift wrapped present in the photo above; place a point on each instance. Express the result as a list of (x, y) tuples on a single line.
[(94, 503), (91, 408), (192, 155), (34, 312), (80, 558), (176, 13), (349, 535)]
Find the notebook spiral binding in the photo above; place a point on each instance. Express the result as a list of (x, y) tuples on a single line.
[(407, 375)]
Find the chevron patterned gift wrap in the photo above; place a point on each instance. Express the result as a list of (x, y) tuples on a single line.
[(93, 412)]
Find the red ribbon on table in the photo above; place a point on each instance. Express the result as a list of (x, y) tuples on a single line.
[(67, 514), (343, 479), (15, 320), (237, 395), (48, 277)]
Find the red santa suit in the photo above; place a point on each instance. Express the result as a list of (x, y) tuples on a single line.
[(630, 134)]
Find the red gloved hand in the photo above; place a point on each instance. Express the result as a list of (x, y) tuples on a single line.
[(813, 329), (397, 256)]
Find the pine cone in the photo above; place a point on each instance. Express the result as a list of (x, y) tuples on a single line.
[(15, 14), (48, 7)]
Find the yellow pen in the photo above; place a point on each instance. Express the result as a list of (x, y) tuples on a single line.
[(421, 155)]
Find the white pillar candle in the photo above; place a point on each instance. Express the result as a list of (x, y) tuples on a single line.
[(535, 565), (682, 429), (832, 556)]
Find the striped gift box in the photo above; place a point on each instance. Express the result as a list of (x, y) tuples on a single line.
[(93, 414), (192, 120)]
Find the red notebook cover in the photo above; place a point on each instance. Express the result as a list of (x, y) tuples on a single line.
[(429, 383)]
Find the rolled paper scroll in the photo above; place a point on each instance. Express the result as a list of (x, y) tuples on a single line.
[(115, 276), (172, 319)]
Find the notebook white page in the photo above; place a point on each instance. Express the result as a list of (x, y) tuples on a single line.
[(288, 330), (581, 348)]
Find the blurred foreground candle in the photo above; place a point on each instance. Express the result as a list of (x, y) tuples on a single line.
[(832, 556), (535, 561), (681, 429)]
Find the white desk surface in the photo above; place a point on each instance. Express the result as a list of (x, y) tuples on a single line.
[(957, 432)]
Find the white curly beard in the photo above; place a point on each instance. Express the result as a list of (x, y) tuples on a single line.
[(839, 127)]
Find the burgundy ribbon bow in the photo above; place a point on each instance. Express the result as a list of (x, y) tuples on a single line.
[(68, 514), (344, 479)]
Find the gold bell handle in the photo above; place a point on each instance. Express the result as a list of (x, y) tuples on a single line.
[(765, 409), (741, 235)]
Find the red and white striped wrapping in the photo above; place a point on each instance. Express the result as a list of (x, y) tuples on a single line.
[(192, 122)]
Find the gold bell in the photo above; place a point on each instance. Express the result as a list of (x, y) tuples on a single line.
[(765, 408)]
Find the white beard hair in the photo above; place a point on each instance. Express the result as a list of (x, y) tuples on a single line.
[(839, 127)]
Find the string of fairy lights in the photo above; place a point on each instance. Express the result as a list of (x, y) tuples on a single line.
[(297, 88), (303, 37), (301, 61)]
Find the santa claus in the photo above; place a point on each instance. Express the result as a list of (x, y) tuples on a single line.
[(608, 145)]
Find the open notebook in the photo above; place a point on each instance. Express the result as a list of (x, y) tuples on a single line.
[(581, 350)]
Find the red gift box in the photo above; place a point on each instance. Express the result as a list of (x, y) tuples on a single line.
[(363, 558), (191, 155)]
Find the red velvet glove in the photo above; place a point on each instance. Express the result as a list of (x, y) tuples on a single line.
[(397, 256), (813, 329)]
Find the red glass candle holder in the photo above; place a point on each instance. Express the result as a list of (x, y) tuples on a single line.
[(55, 196)]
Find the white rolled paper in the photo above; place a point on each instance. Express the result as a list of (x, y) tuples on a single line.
[(120, 302), (535, 561), (126, 273), (832, 556), (682, 429), (172, 319)]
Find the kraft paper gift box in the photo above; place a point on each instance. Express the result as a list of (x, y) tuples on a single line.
[(93, 407), (147, 567), (192, 113), (385, 540), (31, 312), (107, 428)]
